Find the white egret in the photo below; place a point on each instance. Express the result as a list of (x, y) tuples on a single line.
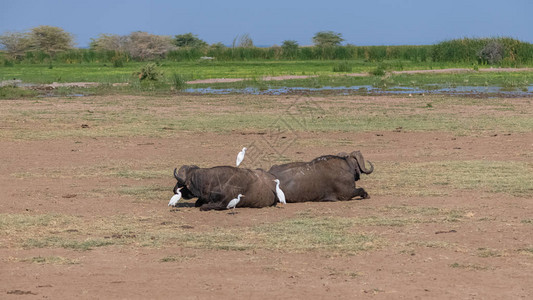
[(174, 200), (240, 156), (280, 193), (233, 203)]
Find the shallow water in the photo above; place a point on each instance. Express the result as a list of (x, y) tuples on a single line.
[(400, 90)]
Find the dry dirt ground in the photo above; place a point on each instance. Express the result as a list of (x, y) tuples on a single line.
[(84, 215)]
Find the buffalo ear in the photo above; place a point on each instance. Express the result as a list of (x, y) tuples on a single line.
[(352, 163)]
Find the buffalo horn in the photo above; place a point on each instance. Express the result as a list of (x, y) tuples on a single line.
[(361, 162)]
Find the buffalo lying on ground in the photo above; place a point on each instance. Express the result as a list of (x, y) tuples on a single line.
[(216, 187), (326, 178)]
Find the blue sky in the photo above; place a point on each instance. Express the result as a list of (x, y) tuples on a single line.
[(370, 22)]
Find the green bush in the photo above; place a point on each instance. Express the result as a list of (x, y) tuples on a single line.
[(8, 63), (379, 70), (150, 72), (342, 67), (178, 81), (492, 52), (118, 61), (485, 50)]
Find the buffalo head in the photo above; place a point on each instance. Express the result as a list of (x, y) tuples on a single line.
[(181, 176), (357, 163)]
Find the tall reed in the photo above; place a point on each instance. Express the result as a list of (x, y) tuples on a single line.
[(465, 50)]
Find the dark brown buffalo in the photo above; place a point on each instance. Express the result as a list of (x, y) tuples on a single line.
[(326, 178), (216, 187)]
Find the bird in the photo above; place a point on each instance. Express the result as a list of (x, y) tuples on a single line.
[(233, 203), (240, 156), (280, 193), (174, 200)]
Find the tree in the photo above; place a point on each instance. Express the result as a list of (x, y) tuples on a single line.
[(143, 45), (243, 41), (51, 39), (113, 42), (493, 52), (327, 39), (189, 40), (289, 48), (15, 43)]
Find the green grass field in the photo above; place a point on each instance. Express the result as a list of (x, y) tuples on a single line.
[(106, 73), (175, 74)]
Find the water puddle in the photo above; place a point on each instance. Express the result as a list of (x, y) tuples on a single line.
[(525, 91), (369, 89), (51, 95)]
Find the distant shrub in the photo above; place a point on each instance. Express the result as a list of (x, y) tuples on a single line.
[(492, 53), (178, 81), (378, 71), (150, 72), (118, 61), (243, 41), (146, 46), (503, 50), (185, 54), (457, 50), (342, 67), (290, 49), (327, 39), (8, 63), (189, 40), (109, 42)]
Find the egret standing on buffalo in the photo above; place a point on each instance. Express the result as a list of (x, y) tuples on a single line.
[(233, 203), (280, 193), (240, 156), (174, 200)]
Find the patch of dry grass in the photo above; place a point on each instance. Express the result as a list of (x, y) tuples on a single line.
[(317, 234), (486, 252), (469, 266), (177, 258), (142, 116), (53, 260), (116, 169), (291, 235), (446, 177)]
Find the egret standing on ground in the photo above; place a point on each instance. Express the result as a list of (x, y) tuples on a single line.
[(233, 203), (280, 193), (174, 200), (240, 156)]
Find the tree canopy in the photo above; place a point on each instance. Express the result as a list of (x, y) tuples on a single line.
[(289, 48), (144, 45), (51, 39), (327, 38), (15, 43), (112, 42), (189, 40)]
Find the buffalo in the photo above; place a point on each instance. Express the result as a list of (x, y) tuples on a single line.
[(215, 187), (326, 178)]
